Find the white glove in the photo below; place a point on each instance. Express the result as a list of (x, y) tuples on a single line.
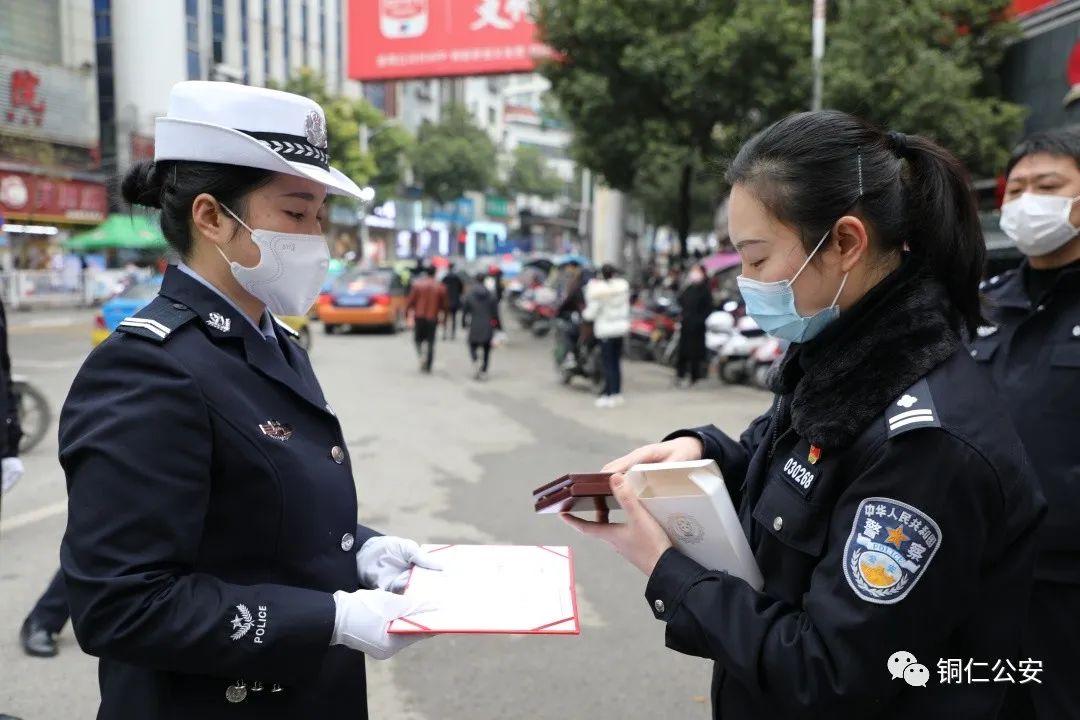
[(385, 561), (12, 472), (364, 616)]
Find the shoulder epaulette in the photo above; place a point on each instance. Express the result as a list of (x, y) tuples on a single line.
[(914, 409), (998, 280), (158, 320)]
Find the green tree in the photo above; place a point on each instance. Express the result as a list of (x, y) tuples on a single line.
[(926, 68), (648, 83), (530, 175), (452, 156), (656, 91), (382, 166)]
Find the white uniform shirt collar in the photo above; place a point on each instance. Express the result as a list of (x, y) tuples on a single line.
[(266, 325)]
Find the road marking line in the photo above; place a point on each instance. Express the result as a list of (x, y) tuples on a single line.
[(33, 516)]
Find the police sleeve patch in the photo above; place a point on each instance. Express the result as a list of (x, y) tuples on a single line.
[(890, 546)]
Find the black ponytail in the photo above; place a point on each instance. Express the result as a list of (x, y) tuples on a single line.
[(812, 168), (172, 186), (945, 230)]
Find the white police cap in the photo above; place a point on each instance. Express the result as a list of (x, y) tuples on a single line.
[(249, 126)]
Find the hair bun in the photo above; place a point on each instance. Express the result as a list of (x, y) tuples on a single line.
[(142, 185)]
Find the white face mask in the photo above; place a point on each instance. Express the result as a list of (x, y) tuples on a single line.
[(1038, 224), (292, 269)]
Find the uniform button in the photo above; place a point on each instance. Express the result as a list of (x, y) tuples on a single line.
[(1040, 308), (337, 454), (778, 523), (1076, 331), (347, 541), (236, 693), (974, 353), (179, 306), (659, 606)]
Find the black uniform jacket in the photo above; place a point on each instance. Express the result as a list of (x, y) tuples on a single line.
[(890, 507), (212, 514), (1030, 352)]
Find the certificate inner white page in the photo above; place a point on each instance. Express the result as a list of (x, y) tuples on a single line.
[(511, 589)]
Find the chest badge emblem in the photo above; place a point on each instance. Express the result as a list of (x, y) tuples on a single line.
[(219, 322), (274, 429), (814, 456)]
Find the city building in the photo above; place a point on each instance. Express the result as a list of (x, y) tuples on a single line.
[(256, 42), (50, 179), (1042, 70)]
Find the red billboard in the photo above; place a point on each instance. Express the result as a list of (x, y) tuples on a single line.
[(1026, 7), (36, 198), (408, 39)]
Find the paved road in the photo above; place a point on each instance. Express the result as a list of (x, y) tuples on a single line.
[(440, 459)]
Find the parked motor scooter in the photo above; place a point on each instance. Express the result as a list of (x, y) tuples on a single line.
[(719, 327), (764, 358), (577, 356), (735, 363)]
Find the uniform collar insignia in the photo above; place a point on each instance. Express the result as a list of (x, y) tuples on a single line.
[(219, 322)]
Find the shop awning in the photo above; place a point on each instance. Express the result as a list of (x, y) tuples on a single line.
[(120, 231)]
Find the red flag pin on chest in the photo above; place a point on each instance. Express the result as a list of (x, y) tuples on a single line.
[(815, 455)]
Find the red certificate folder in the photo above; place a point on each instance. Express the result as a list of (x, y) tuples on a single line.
[(495, 589), (576, 492)]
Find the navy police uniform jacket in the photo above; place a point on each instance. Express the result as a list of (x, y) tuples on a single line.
[(1030, 353), (892, 511), (212, 514)]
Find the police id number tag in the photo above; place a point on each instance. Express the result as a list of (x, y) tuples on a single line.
[(890, 546), (800, 469)]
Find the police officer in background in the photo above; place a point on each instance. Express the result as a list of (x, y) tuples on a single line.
[(212, 556), (887, 500), (1031, 353)]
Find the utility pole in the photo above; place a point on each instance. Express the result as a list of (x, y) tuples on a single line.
[(818, 53)]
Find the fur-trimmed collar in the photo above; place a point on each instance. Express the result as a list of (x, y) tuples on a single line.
[(845, 378)]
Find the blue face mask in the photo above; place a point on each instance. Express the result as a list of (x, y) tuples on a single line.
[(772, 306)]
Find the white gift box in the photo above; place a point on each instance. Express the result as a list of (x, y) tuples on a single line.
[(691, 502)]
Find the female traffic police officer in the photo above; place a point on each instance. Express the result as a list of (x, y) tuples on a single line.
[(212, 556), (1031, 353), (889, 505)]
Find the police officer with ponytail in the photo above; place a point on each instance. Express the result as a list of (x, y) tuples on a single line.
[(886, 496), (212, 557), (1030, 351)]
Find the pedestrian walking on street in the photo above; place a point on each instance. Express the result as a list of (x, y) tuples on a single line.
[(454, 289), (427, 307), (12, 468), (45, 621), (480, 314), (607, 307), (1030, 351), (886, 496), (696, 303), (212, 557)]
